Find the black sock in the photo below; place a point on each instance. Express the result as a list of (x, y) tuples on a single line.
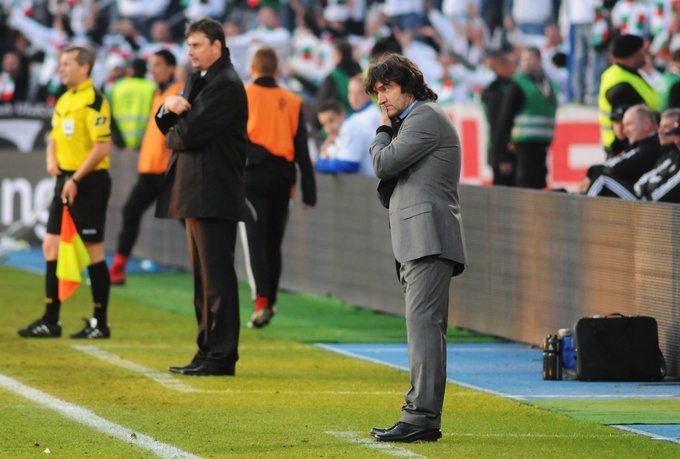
[(52, 303), (101, 284)]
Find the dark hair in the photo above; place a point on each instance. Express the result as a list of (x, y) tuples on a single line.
[(330, 105), (395, 68), (675, 57), (385, 45), (533, 50), (167, 57), (212, 29), (138, 67), (265, 61), (344, 48), (84, 56)]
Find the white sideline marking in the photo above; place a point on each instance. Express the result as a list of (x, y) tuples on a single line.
[(527, 435), (88, 418), (646, 434), (171, 382), (386, 448), (162, 378)]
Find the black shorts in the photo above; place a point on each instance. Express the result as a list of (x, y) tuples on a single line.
[(89, 207)]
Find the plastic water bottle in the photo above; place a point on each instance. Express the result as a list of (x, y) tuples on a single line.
[(568, 351), (148, 266), (552, 365)]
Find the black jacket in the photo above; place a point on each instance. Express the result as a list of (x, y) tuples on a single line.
[(632, 163), (206, 174), (492, 100)]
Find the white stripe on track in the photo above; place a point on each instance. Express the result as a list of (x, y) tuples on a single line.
[(646, 434), (386, 448), (88, 418), (404, 368)]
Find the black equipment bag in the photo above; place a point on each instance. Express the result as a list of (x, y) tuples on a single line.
[(618, 348)]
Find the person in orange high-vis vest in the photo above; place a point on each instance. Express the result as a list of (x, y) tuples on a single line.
[(153, 160), (278, 136)]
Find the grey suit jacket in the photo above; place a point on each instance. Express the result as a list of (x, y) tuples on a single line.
[(424, 208)]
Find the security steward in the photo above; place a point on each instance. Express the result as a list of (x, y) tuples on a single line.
[(278, 136), (78, 156), (526, 124), (622, 85), (131, 100)]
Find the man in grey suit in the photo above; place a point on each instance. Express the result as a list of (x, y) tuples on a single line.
[(416, 154)]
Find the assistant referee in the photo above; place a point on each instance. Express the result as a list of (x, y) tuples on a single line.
[(78, 156)]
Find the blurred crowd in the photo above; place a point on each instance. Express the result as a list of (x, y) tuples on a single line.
[(461, 46), (448, 39)]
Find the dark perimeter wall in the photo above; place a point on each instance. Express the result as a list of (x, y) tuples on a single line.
[(538, 260)]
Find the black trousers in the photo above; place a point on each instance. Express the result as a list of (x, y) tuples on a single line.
[(268, 208), (211, 252), (143, 194), (501, 178), (530, 167)]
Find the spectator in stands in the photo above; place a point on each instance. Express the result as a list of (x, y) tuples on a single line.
[(330, 115), (143, 12), (527, 21), (268, 32), (196, 9), (579, 16), (334, 86), (502, 162), (161, 38), (153, 161), (621, 84), (131, 100), (278, 136), (348, 153), (13, 84), (405, 14), (670, 89), (663, 182), (526, 123), (651, 74), (632, 17), (620, 173)]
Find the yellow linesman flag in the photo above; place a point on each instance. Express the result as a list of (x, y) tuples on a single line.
[(72, 258)]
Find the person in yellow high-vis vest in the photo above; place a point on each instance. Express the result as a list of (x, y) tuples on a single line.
[(622, 85), (131, 100), (526, 123)]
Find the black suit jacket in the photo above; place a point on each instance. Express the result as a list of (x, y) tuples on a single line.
[(206, 173)]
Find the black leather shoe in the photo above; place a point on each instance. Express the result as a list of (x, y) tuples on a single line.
[(206, 369), (180, 369), (195, 362), (381, 430), (403, 432)]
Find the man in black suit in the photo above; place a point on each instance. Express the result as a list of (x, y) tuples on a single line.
[(205, 185)]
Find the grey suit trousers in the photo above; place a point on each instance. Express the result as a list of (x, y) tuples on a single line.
[(425, 283)]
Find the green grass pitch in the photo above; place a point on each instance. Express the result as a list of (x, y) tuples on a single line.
[(288, 399)]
